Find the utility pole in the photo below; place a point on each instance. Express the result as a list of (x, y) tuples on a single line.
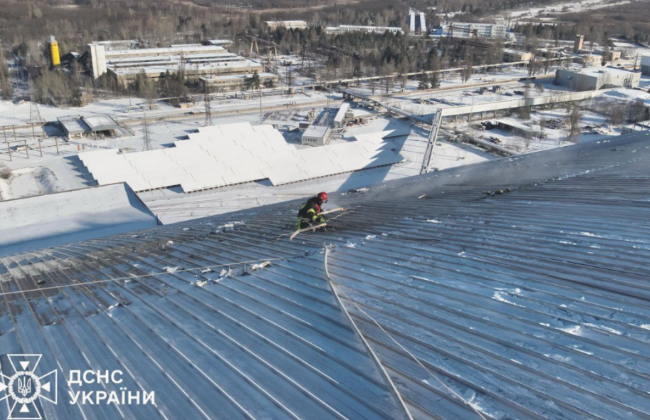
[(4, 131), (146, 140)]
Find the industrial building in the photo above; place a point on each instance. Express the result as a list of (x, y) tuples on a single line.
[(588, 60), (417, 22), (195, 59), (232, 154), (594, 79), (368, 29), (217, 83), (645, 65), (608, 55), (475, 30), (511, 56), (289, 24), (339, 119), (316, 135), (87, 126)]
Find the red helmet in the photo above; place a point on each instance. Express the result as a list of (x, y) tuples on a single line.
[(323, 196)]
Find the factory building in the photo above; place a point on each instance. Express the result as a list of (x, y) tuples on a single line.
[(197, 60), (316, 135), (476, 30), (368, 29), (417, 22), (289, 24), (216, 83), (645, 65), (608, 55), (512, 56), (339, 119), (594, 79), (78, 127)]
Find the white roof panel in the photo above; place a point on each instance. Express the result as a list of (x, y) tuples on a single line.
[(234, 153)]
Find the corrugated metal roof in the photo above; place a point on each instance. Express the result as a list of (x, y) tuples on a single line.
[(74, 125), (101, 123), (519, 284)]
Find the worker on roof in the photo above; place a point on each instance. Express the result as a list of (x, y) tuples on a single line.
[(310, 211)]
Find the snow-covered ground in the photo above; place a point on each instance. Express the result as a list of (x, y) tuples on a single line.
[(551, 128), (562, 8), (126, 109)]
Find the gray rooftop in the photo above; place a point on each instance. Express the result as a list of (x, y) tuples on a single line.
[(316, 131), (519, 286), (101, 123), (74, 125)]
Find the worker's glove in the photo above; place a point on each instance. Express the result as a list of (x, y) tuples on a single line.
[(319, 219)]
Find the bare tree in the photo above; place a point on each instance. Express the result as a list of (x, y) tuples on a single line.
[(637, 111), (466, 73), (616, 112), (146, 88), (524, 111), (573, 118), (5, 77)]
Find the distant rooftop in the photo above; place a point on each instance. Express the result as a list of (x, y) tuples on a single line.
[(316, 130)]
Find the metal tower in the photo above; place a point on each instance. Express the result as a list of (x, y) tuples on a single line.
[(146, 139), (431, 144), (34, 113), (208, 110)]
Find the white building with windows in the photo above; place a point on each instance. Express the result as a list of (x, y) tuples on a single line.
[(316, 135), (289, 24), (476, 30), (368, 29)]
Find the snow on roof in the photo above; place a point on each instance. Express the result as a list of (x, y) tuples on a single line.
[(340, 114), (316, 131), (229, 154), (520, 284), (164, 58), (219, 41), (235, 76), (173, 66), (74, 125), (54, 219), (101, 122), (170, 50), (598, 71)]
